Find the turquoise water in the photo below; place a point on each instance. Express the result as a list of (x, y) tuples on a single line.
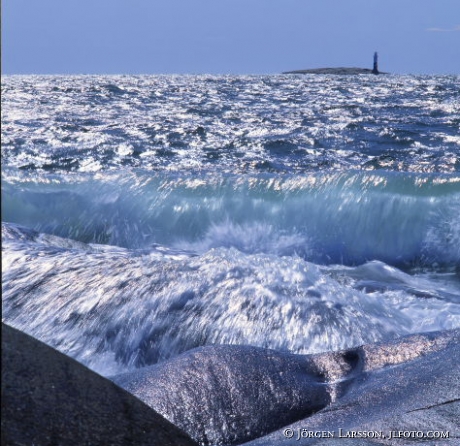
[(147, 215)]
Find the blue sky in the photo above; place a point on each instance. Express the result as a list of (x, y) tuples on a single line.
[(228, 36)]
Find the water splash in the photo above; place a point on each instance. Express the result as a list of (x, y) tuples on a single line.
[(115, 309)]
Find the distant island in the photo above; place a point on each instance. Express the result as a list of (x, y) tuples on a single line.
[(341, 70)]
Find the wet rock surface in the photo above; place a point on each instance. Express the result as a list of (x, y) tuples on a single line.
[(222, 395), (232, 394), (407, 392)]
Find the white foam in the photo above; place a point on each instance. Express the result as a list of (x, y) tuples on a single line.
[(113, 308)]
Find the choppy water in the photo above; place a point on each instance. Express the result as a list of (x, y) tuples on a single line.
[(146, 215)]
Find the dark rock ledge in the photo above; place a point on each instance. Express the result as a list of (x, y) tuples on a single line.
[(342, 70), (228, 394), (336, 70), (49, 399), (235, 394)]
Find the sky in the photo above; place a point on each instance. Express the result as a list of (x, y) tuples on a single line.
[(228, 36)]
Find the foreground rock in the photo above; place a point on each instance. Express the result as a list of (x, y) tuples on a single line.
[(230, 394), (411, 385), (50, 399)]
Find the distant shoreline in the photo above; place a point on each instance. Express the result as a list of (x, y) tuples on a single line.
[(337, 70)]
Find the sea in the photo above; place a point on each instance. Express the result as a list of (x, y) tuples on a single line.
[(143, 216)]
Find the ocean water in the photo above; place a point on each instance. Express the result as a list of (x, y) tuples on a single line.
[(143, 216)]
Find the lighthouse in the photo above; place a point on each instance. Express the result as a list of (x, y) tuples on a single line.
[(375, 69)]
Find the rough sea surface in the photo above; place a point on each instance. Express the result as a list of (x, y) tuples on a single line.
[(147, 215)]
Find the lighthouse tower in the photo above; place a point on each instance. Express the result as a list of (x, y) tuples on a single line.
[(375, 69)]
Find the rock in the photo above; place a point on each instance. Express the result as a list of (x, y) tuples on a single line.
[(342, 70), (230, 394), (336, 70), (409, 385), (49, 399)]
